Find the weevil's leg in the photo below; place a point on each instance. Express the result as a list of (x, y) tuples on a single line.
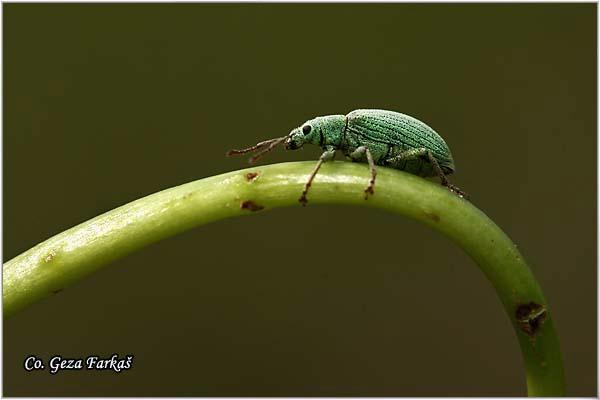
[(357, 155), (326, 156), (262, 148), (422, 152)]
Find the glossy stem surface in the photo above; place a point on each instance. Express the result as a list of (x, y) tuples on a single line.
[(63, 259)]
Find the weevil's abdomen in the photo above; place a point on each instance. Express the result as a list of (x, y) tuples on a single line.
[(389, 133)]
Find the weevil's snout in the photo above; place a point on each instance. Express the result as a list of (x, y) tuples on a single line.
[(295, 140)]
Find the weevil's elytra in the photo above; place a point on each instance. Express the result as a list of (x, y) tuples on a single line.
[(378, 137)]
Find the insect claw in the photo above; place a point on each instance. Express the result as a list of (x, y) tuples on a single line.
[(458, 192), (369, 191), (303, 200)]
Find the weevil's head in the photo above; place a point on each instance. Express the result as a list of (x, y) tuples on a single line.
[(297, 137), (322, 131)]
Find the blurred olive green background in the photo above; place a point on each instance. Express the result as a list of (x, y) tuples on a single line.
[(107, 103)]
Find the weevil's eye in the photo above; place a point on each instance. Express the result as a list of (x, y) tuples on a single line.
[(306, 129)]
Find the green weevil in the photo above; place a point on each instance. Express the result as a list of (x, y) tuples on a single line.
[(379, 137)]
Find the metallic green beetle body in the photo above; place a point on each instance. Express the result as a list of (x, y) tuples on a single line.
[(387, 134), (379, 137)]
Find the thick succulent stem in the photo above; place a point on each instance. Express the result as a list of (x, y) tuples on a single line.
[(70, 255)]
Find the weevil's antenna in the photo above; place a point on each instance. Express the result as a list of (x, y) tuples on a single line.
[(261, 149), (258, 146), (271, 146)]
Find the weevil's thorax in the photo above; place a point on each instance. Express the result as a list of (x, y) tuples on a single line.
[(326, 131)]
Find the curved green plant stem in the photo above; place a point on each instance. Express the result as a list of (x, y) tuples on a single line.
[(68, 256)]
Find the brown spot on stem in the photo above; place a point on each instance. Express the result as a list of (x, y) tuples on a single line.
[(57, 291), (530, 317), (433, 216), (50, 256), (250, 206), (250, 176)]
